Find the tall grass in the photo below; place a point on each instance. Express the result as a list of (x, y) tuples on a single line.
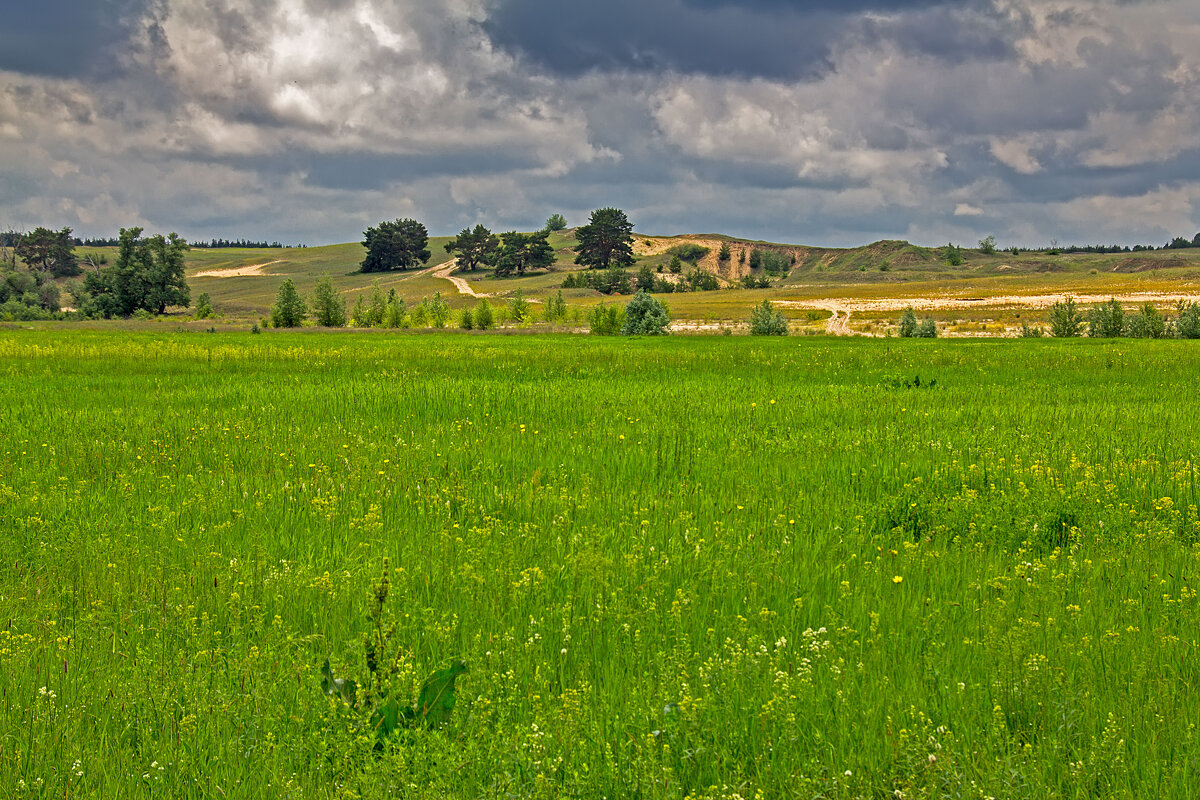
[(704, 568)]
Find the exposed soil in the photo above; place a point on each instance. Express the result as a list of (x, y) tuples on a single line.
[(236, 272)]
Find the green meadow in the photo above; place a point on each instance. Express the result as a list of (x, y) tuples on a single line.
[(714, 567)]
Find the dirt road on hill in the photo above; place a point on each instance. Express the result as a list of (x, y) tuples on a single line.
[(444, 270)]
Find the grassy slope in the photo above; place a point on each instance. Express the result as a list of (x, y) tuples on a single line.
[(880, 270)]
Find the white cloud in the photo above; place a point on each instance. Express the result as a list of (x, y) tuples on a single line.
[(967, 210)]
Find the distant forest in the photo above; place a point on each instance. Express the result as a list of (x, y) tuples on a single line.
[(211, 243)]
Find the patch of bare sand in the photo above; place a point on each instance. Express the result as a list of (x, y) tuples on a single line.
[(252, 270)]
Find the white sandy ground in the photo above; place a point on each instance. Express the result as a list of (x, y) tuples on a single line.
[(236, 272)]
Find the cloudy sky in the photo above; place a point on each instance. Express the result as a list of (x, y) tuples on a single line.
[(815, 121)]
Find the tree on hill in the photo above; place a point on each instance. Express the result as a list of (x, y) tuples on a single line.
[(395, 245), (49, 251), (289, 310), (557, 222), (474, 247), (606, 241), (146, 276), (522, 251)]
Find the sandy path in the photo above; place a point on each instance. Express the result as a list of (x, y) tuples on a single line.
[(444, 271), (836, 325), (1023, 301), (236, 272)]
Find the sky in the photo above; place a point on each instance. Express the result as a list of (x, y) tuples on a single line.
[(825, 122)]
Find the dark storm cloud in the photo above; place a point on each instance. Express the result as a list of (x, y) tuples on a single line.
[(767, 38), (68, 38)]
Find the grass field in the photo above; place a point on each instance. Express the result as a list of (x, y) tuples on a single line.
[(705, 568)]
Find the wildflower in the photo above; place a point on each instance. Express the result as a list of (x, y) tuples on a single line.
[(897, 579)]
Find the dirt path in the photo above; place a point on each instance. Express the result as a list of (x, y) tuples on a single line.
[(444, 271), (836, 325), (236, 272)]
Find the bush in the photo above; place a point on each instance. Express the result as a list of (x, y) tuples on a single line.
[(1030, 332), (724, 253), (676, 265), (772, 262), (908, 324), (766, 320), (1188, 324), (1107, 320), (328, 307), (927, 330), (439, 310), (1148, 323), (689, 252), (645, 316), (702, 281), (204, 309), (466, 320), (484, 320), (987, 246), (518, 307), (1066, 320), (605, 320), (954, 256), (289, 310), (556, 308), (394, 313), (645, 279)]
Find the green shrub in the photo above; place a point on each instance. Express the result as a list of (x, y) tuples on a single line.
[(605, 320), (1187, 326), (484, 319), (1147, 323), (766, 320), (556, 308), (908, 324), (702, 281), (289, 310), (328, 307), (645, 316), (772, 262), (926, 330), (689, 252), (518, 307), (204, 309), (1030, 332), (1106, 320), (1066, 320)]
